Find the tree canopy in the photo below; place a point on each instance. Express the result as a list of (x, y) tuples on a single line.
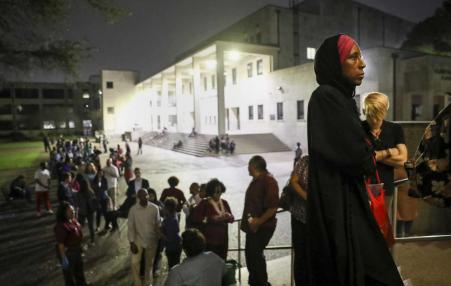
[(432, 35), (29, 34)]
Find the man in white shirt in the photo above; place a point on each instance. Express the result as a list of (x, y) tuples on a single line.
[(111, 175), (143, 234), (42, 188), (200, 268)]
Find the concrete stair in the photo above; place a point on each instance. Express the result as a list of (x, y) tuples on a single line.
[(198, 146)]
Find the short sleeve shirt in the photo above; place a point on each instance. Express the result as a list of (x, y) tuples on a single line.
[(390, 136), (42, 176), (261, 195), (68, 233)]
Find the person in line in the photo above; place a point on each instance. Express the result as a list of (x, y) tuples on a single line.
[(111, 174), (345, 244), (64, 192), (213, 215), (259, 218), (387, 138), (297, 152), (200, 268), (143, 233), (298, 210), (18, 189), (100, 187), (69, 236), (42, 188), (172, 191), (87, 205), (133, 187), (191, 203), (171, 232), (128, 167), (140, 146), (158, 255)]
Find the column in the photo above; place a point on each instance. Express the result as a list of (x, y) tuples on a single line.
[(196, 94), (220, 88), (179, 101)]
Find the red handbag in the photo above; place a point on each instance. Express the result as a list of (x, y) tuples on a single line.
[(377, 206)]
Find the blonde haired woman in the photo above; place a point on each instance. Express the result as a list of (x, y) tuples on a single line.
[(388, 141)]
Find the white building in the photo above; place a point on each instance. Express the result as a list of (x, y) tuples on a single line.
[(257, 76)]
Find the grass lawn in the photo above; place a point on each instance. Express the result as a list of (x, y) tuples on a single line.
[(19, 155), (19, 158)]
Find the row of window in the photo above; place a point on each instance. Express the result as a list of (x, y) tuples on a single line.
[(280, 115), (33, 93)]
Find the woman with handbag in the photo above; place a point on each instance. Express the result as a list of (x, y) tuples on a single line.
[(298, 210), (345, 245)]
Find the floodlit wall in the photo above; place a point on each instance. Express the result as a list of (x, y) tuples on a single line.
[(121, 106)]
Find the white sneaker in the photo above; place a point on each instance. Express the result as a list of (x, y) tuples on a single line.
[(49, 211)]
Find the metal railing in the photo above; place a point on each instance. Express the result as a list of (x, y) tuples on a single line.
[(397, 183), (239, 249)]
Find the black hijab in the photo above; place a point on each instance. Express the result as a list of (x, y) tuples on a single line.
[(328, 68)]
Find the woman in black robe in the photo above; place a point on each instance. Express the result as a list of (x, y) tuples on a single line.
[(345, 246)]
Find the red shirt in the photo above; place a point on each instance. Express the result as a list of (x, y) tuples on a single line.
[(215, 232), (69, 233), (261, 195), (176, 193)]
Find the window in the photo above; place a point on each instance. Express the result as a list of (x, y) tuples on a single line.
[(172, 101), (213, 82), (159, 100), (62, 124), (110, 110), (172, 120), (6, 109), (300, 109), (205, 83), (71, 124), (5, 93), (85, 94), (109, 85), (311, 53), (150, 103), (249, 69), (251, 112), (234, 76), (260, 66), (48, 124), (279, 110), (260, 111), (27, 93), (190, 88), (158, 122), (53, 93)]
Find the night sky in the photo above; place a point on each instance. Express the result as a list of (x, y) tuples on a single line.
[(159, 30)]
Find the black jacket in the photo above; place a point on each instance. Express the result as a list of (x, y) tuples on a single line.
[(344, 244), (130, 199)]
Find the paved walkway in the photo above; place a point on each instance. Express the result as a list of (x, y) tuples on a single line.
[(27, 254)]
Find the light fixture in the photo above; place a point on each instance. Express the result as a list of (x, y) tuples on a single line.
[(234, 56), (100, 92), (210, 64)]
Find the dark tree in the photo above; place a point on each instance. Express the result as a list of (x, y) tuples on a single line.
[(433, 35), (30, 35)]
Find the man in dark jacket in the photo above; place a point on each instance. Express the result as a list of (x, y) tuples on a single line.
[(345, 246), (133, 187)]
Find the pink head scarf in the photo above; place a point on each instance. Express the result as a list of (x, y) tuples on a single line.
[(344, 45)]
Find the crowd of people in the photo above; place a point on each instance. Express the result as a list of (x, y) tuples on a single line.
[(223, 143), (335, 237)]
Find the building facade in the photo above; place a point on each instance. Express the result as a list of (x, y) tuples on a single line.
[(33, 108), (257, 75)]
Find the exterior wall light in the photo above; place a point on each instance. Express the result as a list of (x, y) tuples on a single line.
[(210, 64), (234, 56)]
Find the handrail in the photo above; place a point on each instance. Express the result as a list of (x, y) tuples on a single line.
[(397, 183)]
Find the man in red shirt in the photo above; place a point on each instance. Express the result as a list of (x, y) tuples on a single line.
[(259, 218), (172, 191)]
